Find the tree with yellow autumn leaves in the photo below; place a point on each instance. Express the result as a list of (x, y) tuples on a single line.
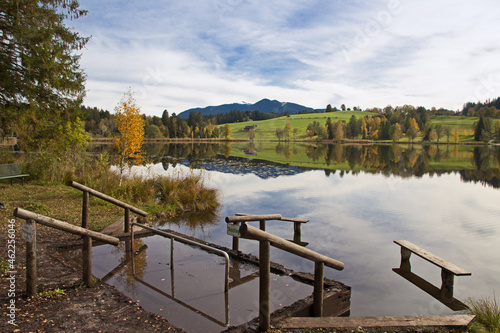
[(130, 125)]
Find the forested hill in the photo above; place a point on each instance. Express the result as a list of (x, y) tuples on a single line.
[(265, 106)]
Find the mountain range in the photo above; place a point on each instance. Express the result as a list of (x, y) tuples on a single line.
[(264, 105)]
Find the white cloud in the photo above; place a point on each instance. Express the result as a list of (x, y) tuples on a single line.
[(179, 55)]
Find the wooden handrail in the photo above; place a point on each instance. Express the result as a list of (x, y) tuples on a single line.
[(286, 219), (250, 232), (106, 198), (64, 226), (266, 240), (32, 219), (248, 218)]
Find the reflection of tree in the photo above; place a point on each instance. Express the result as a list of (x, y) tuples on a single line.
[(481, 158), (140, 264), (401, 160), (195, 221), (227, 150)]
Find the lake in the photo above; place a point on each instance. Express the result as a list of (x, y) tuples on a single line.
[(359, 199)]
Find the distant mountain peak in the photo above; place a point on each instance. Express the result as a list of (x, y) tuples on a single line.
[(264, 105)]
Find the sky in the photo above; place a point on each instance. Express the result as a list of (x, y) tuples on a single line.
[(177, 55)]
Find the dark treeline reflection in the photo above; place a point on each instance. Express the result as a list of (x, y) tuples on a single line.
[(474, 164)]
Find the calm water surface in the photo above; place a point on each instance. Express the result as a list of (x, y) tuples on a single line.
[(355, 218)]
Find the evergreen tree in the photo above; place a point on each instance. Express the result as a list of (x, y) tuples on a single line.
[(353, 127), (482, 130), (329, 129), (164, 117), (41, 82)]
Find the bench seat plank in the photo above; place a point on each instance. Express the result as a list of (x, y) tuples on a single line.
[(16, 176), (432, 258)]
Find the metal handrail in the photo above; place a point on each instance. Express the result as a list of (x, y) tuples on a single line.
[(189, 242)]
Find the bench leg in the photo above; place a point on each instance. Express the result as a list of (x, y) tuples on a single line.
[(405, 260), (447, 284)]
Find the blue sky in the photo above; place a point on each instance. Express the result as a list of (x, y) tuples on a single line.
[(177, 54)]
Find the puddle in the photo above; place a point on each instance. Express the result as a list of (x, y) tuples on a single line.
[(190, 291)]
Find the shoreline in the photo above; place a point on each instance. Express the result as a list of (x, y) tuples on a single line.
[(344, 142)]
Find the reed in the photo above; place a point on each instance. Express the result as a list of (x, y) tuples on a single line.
[(162, 195), (487, 312)]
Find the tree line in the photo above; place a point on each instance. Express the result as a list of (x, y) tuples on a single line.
[(395, 123), (101, 123), (389, 123)]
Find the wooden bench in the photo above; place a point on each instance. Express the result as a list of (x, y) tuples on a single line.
[(11, 171), (448, 270)]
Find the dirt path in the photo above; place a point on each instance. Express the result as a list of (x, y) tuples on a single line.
[(101, 308)]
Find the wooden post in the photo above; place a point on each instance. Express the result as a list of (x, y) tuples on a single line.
[(262, 225), (319, 268), (87, 260), (129, 247), (126, 227), (31, 273), (405, 265), (85, 209), (236, 241), (172, 270), (447, 279), (264, 285), (297, 228)]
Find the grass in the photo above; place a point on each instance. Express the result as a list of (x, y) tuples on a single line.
[(46, 194), (57, 201), (52, 293), (266, 128), (487, 312)]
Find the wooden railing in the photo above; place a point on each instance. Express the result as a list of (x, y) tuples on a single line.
[(297, 225), (265, 241), (85, 215), (29, 234)]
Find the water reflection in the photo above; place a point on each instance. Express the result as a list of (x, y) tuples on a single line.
[(359, 199), (186, 284), (475, 164)]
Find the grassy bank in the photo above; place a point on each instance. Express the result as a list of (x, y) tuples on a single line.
[(57, 201), (45, 192)]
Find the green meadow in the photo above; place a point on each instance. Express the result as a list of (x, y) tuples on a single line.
[(266, 129)]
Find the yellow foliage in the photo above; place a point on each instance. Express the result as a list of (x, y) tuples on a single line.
[(130, 124), (414, 124)]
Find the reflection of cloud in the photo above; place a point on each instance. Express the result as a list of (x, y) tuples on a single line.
[(355, 219)]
